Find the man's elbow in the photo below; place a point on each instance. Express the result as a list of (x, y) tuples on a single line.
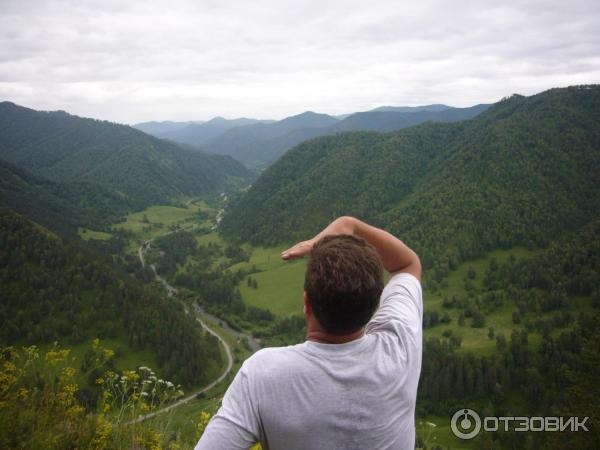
[(415, 267)]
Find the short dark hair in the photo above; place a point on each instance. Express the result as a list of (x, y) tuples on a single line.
[(344, 280)]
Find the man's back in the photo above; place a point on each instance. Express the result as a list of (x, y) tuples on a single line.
[(356, 395)]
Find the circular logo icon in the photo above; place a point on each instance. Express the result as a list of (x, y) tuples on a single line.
[(465, 424)]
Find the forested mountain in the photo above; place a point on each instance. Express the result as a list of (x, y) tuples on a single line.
[(62, 207), (54, 289), (196, 134), (146, 170), (158, 129), (259, 145), (390, 118), (520, 173)]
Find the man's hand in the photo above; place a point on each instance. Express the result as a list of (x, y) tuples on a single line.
[(342, 225)]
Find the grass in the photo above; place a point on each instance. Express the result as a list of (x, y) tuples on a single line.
[(280, 283), (183, 419), (209, 238), (473, 339), (157, 220), (86, 234)]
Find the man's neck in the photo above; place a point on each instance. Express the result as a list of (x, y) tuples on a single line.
[(327, 338)]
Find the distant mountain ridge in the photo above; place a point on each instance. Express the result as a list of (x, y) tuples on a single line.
[(158, 129), (259, 144), (196, 134), (143, 169), (431, 108)]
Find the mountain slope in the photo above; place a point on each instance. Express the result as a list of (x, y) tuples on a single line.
[(144, 169), (63, 207), (518, 174), (53, 289)]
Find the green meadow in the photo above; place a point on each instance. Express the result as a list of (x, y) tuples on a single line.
[(473, 339), (280, 283), (157, 220), (280, 289)]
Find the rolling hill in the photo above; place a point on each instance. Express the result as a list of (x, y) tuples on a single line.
[(520, 173), (145, 170)]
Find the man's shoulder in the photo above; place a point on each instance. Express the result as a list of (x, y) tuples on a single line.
[(270, 360)]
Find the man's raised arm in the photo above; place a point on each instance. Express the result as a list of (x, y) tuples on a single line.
[(395, 255)]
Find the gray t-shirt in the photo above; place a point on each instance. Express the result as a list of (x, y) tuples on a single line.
[(357, 395)]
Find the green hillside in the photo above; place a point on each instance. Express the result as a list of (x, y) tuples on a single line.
[(522, 172), (146, 170), (63, 207), (56, 290)]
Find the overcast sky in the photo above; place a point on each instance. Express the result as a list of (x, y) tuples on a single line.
[(192, 60)]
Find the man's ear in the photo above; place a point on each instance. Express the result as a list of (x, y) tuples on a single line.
[(307, 305)]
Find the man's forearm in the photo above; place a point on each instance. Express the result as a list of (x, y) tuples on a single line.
[(395, 255)]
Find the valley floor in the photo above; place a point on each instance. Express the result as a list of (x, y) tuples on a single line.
[(274, 285)]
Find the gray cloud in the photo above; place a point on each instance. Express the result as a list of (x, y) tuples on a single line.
[(134, 61)]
